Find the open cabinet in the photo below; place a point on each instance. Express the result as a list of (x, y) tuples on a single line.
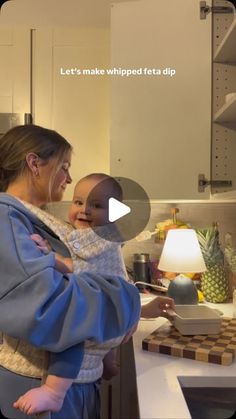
[(224, 102), (175, 135), (161, 124), (166, 128)]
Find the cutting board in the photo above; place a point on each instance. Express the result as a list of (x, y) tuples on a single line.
[(217, 349)]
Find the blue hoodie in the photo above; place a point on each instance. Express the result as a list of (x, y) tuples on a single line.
[(51, 310)]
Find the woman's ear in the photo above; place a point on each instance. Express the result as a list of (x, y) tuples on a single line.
[(32, 161)]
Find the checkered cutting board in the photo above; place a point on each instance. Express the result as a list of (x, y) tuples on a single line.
[(218, 349)]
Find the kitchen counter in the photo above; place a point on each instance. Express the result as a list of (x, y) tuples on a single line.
[(159, 376)]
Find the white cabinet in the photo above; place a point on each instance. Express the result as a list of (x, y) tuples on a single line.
[(224, 104), (227, 113), (161, 125), (74, 104), (15, 69), (15, 76), (226, 53), (161, 133), (36, 76)]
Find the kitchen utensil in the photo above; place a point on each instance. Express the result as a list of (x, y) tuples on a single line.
[(144, 235), (152, 286)]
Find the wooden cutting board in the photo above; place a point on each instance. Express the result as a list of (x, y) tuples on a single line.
[(217, 349)]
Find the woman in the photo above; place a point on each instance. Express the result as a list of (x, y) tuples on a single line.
[(39, 305)]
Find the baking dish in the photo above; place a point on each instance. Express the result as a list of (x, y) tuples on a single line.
[(197, 320)]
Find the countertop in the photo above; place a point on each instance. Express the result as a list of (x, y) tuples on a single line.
[(159, 376)]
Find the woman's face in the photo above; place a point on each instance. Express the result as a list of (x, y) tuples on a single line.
[(60, 181)]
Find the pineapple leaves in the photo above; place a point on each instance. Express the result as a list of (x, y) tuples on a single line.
[(209, 243)]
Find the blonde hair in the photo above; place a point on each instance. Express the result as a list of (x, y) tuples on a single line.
[(107, 179), (24, 139)]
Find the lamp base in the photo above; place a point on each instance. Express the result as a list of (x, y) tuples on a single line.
[(183, 290)]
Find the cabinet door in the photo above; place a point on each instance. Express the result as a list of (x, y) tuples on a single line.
[(15, 76), (76, 105), (119, 397), (161, 124), (224, 104)]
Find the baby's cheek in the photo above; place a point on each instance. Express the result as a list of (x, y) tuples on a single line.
[(72, 216)]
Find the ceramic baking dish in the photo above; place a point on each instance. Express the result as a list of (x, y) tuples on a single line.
[(197, 320)]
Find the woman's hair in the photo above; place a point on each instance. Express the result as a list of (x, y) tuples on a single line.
[(24, 139)]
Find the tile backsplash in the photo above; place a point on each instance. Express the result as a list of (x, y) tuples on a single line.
[(196, 214)]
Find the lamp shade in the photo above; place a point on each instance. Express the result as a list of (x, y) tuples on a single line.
[(181, 252)]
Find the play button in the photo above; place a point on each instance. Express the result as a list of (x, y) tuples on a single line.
[(116, 209), (119, 208)]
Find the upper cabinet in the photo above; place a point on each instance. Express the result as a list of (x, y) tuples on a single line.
[(161, 115), (70, 100), (227, 113), (161, 126), (226, 54), (224, 103), (14, 76), (167, 92), (226, 51)]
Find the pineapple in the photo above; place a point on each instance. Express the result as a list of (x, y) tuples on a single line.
[(230, 258), (214, 282), (230, 252)]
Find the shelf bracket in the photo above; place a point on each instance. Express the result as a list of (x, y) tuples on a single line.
[(205, 9), (203, 183)]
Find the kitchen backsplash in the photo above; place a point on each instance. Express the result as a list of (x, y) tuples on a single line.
[(196, 214)]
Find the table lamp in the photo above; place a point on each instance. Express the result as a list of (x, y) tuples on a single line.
[(181, 253)]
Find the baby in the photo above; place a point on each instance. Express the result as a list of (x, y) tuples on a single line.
[(88, 215)]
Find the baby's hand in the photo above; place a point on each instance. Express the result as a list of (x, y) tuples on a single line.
[(42, 244), (62, 264)]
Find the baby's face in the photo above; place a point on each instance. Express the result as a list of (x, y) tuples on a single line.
[(90, 209)]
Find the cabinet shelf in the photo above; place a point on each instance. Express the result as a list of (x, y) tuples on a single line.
[(227, 113), (226, 51)]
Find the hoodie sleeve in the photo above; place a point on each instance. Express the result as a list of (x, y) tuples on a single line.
[(51, 310)]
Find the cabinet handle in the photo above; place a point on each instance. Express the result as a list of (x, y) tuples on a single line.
[(205, 9), (28, 119), (203, 183)]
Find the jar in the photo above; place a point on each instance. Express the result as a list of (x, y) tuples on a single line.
[(141, 265)]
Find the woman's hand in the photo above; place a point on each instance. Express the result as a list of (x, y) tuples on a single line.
[(159, 307), (63, 265)]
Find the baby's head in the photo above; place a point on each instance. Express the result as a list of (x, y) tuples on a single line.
[(90, 201)]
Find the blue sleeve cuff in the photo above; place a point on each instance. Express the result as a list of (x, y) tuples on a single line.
[(66, 364)]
